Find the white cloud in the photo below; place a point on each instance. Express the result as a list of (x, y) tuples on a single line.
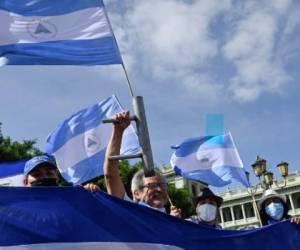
[(178, 41), (170, 39), (253, 50)]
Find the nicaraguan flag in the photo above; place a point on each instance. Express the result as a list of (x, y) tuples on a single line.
[(79, 143), (210, 159), (11, 173), (71, 218), (56, 32)]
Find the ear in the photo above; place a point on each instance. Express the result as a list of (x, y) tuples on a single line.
[(138, 196)]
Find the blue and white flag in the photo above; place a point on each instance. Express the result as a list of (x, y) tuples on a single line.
[(71, 218), (79, 143), (11, 173), (52, 32), (210, 159)]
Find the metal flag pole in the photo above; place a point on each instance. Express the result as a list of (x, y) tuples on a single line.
[(143, 135), (141, 123), (142, 132)]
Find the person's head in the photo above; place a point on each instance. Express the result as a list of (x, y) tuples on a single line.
[(272, 206), (207, 204), (151, 190), (40, 171)]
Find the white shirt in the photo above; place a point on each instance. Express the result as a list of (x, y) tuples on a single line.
[(126, 198)]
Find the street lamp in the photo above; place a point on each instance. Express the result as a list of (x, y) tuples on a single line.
[(283, 168), (260, 170), (268, 179), (259, 166)]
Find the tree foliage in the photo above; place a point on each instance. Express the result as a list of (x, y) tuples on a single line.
[(181, 199), (13, 151), (126, 173)]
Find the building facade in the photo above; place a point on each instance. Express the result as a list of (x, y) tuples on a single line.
[(194, 187), (237, 211)]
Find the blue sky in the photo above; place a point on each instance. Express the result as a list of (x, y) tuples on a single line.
[(187, 59)]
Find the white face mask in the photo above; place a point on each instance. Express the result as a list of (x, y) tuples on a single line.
[(206, 212)]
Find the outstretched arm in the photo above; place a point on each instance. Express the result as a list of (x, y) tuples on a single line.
[(113, 181)]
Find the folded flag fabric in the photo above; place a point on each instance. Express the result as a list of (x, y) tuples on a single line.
[(72, 218), (79, 143), (11, 173), (210, 159), (64, 32)]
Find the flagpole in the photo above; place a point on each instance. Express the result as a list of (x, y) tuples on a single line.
[(139, 118), (117, 49), (252, 192), (128, 81)]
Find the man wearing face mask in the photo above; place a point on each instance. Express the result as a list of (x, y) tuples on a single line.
[(273, 208), (207, 205), (41, 171)]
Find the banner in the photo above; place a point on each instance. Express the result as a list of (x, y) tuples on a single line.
[(72, 218)]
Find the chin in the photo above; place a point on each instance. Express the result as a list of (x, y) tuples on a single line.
[(158, 203)]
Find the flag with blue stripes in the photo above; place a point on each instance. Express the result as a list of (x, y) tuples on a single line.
[(211, 159), (79, 143), (52, 32), (71, 218), (11, 173)]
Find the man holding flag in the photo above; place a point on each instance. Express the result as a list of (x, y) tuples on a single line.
[(147, 191)]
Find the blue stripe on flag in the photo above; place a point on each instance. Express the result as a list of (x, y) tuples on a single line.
[(192, 145), (41, 215), (82, 121), (47, 7), (219, 176), (211, 159), (83, 172), (100, 51), (11, 168)]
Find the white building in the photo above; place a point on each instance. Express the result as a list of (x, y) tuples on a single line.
[(237, 211)]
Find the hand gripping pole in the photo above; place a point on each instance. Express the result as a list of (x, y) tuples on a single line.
[(143, 135)]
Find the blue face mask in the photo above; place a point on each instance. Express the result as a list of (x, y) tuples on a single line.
[(275, 210)]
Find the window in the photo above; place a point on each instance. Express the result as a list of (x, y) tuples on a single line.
[(249, 211), (238, 213), (226, 214), (296, 199), (194, 190)]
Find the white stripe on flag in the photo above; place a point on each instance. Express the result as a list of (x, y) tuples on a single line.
[(12, 181), (93, 246), (75, 151), (90, 23), (207, 159)]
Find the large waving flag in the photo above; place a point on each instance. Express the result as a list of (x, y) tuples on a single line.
[(71, 218), (56, 32), (79, 143), (210, 159), (11, 173)]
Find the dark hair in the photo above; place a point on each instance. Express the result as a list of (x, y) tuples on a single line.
[(264, 216)]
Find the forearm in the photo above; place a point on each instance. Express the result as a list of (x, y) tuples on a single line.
[(112, 177)]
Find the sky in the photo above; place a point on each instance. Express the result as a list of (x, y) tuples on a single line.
[(187, 58)]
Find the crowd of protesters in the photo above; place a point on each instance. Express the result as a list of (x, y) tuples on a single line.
[(152, 191)]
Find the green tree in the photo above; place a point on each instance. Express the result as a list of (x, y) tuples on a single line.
[(13, 151), (181, 199), (126, 173)]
